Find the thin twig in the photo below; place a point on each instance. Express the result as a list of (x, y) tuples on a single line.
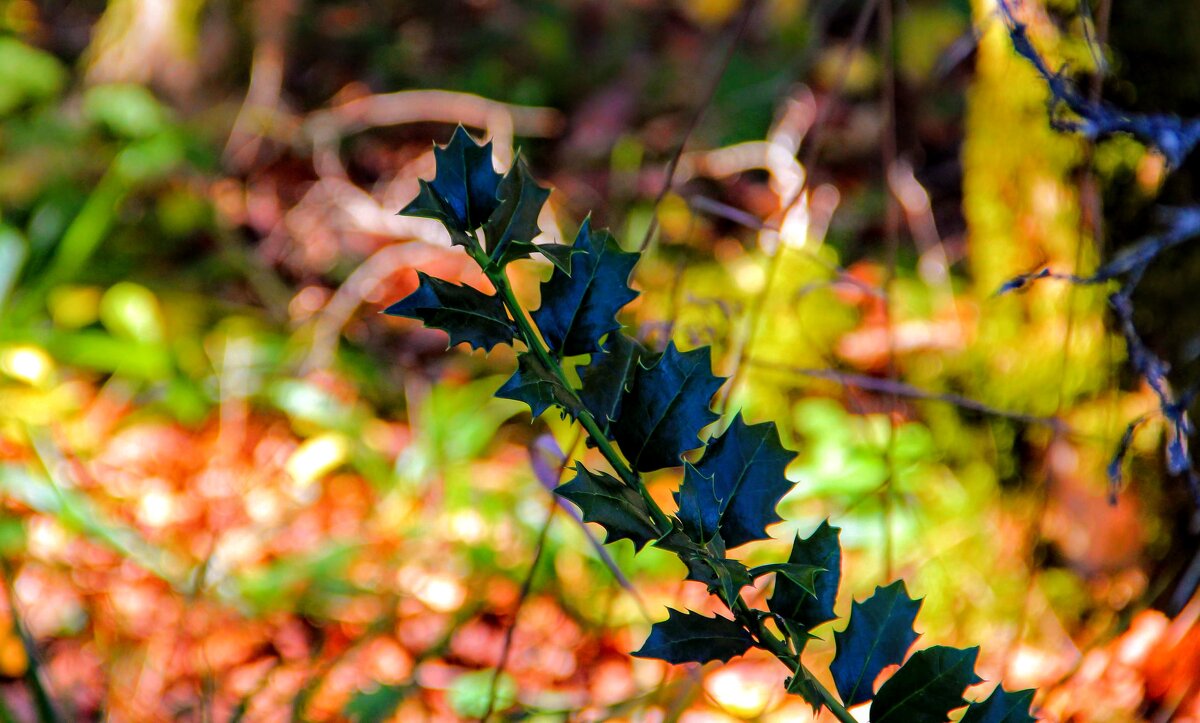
[(902, 389), (814, 139), (721, 210), (714, 82), (1174, 138), (891, 225), (550, 481), (816, 135), (526, 587)]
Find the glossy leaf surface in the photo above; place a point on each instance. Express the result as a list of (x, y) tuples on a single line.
[(790, 601), (723, 576), (466, 314), (604, 499), (927, 687), (688, 637), (581, 307), (699, 511), (510, 231), (463, 193), (879, 634), (535, 385), (665, 408), (804, 576), (746, 464), (607, 375), (558, 254)]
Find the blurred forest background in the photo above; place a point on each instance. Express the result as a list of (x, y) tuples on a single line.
[(231, 489)]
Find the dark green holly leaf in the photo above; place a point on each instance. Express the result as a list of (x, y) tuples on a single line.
[(732, 576), (557, 254), (796, 634), (746, 464), (1002, 707), (804, 576), (463, 193), (927, 687), (820, 549), (677, 542), (466, 314), (510, 231), (724, 577), (688, 637), (581, 307), (879, 634), (607, 375), (428, 204), (802, 684), (535, 385), (604, 499), (699, 509), (665, 408)]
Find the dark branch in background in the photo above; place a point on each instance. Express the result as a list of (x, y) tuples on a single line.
[(1183, 224), (1174, 409), (896, 388), (1174, 138)]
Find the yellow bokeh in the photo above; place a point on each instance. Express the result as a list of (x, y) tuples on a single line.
[(316, 457), (27, 363)]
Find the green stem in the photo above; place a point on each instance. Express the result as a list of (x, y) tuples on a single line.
[(662, 524), (743, 612), (839, 711)]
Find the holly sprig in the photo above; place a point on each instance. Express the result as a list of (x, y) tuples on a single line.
[(643, 410)]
